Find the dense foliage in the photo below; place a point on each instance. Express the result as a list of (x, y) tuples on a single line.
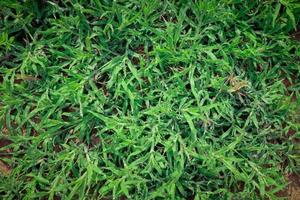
[(148, 99)]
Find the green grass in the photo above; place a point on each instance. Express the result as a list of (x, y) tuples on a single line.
[(148, 99)]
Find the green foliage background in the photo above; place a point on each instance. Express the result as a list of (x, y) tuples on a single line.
[(149, 99)]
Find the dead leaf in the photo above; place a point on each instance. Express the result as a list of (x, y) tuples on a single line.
[(4, 168)]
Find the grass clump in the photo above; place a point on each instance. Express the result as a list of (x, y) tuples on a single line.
[(148, 99)]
